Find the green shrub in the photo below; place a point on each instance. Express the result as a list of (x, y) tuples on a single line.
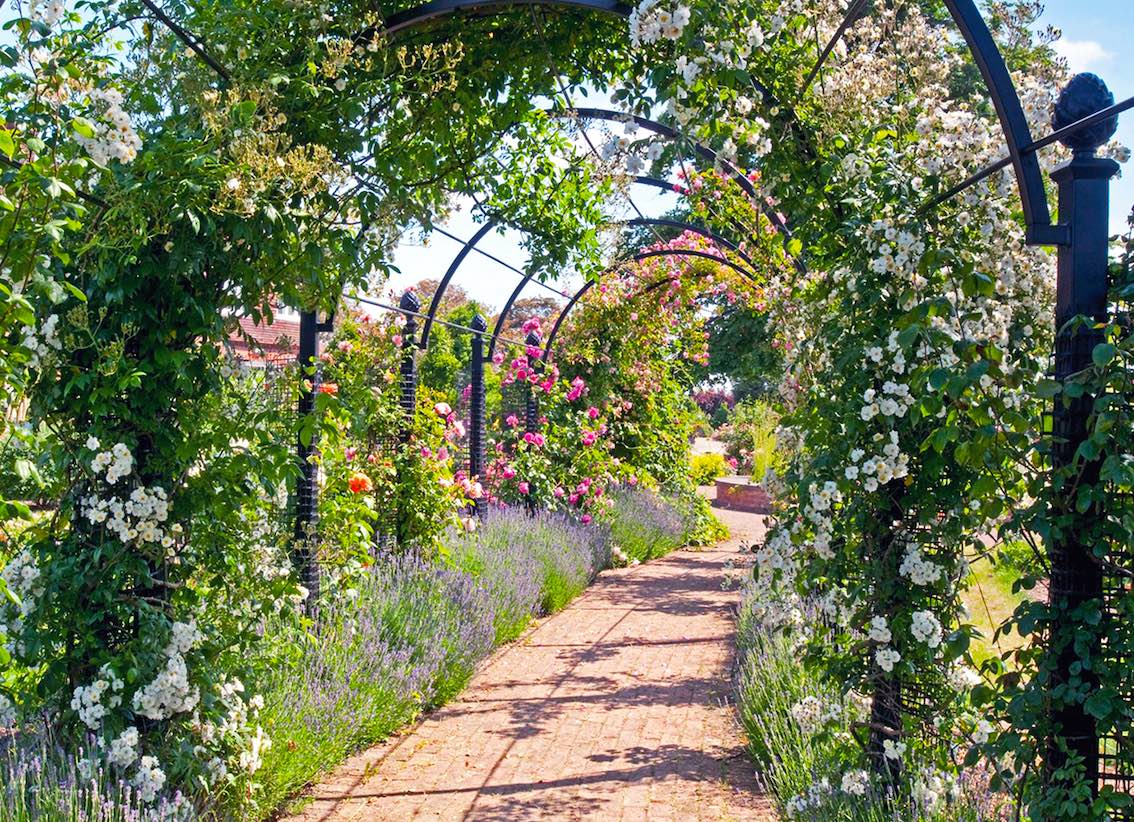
[(797, 763), (750, 437), (705, 468)]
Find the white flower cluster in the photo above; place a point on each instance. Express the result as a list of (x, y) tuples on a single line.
[(878, 469), (801, 805), (92, 703), (124, 748), (117, 462), (931, 787), (811, 714), (252, 758), (41, 344), (893, 750), (894, 401), (236, 730), (856, 782), (962, 677), (926, 628), (650, 22), (879, 631), (982, 731), (887, 658), (170, 692), (917, 568), (50, 13), (150, 779), (138, 519), (114, 137), (7, 713)]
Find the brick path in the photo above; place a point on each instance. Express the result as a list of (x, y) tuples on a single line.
[(614, 709)]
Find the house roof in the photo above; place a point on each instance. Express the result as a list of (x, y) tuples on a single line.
[(276, 342)]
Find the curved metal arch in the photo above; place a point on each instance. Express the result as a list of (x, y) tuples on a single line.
[(607, 115), (703, 232), (645, 255), (469, 245), (969, 21), (439, 294)]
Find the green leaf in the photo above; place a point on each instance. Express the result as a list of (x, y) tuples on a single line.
[(7, 144), (1103, 354), (242, 112), (84, 127)]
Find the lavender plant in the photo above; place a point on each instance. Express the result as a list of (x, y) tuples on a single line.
[(406, 639), (644, 524), (39, 781), (563, 555)]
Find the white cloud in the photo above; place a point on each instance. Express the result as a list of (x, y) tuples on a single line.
[(1082, 55)]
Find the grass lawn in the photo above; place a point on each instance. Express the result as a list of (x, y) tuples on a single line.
[(990, 601)]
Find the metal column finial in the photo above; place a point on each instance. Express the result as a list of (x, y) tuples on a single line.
[(1083, 95)]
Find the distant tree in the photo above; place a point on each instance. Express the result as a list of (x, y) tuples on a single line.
[(543, 308), (454, 298), (740, 350)]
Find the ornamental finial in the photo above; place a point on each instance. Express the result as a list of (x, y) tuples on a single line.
[(410, 302), (1084, 95)]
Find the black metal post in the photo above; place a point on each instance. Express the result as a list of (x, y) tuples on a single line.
[(476, 406), (1076, 577), (306, 489), (531, 406), (535, 364), (886, 714), (410, 305)]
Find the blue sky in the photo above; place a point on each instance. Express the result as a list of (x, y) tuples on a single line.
[(1098, 36)]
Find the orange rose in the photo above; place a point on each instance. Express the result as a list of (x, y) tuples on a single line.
[(331, 388), (360, 483)]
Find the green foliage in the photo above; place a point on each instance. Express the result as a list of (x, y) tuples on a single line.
[(750, 436), (705, 468)]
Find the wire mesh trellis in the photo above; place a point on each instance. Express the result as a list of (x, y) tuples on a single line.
[(1116, 746)]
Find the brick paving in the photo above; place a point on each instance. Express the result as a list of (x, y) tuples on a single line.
[(617, 708)]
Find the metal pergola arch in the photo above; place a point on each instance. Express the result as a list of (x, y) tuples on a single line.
[(637, 258), (636, 221), (440, 9), (483, 231), (966, 16)]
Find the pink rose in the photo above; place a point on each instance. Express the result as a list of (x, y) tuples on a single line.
[(442, 409), (559, 492), (593, 413), (508, 472), (585, 519), (524, 488), (512, 421), (589, 438)]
